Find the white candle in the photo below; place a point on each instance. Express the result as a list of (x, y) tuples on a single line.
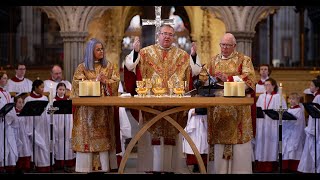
[(89, 88), (241, 89), (280, 92), (51, 94), (227, 89), (96, 88), (82, 88), (234, 89)]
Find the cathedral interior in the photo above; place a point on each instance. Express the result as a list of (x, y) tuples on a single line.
[(285, 37)]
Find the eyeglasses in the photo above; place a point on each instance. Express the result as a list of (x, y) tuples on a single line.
[(167, 34), (100, 49), (21, 69), (223, 45)]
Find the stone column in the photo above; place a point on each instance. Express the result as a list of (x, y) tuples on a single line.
[(74, 44), (244, 41)]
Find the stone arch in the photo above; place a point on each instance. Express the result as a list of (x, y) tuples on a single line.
[(241, 18)]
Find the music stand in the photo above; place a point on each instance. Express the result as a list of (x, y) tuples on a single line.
[(279, 116), (313, 109), (33, 108), (260, 113), (3, 111), (65, 107)]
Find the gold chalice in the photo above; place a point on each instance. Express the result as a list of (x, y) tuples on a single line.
[(158, 91), (179, 91), (142, 91)]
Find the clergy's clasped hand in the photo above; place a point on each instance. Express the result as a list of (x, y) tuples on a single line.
[(193, 49), (136, 44), (223, 77)]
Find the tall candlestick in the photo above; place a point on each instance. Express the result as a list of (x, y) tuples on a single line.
[(280, 92)]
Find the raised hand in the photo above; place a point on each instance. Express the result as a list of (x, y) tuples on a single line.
[(193, 49), (136, 44)]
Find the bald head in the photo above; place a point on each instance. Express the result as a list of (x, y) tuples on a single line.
[(56, 73), (227, 44), (229, 38)]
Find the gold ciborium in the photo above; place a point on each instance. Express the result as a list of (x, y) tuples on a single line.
[(179, 91), (159, 91), (142, 91)]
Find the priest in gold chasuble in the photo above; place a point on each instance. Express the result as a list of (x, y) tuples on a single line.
[(93, 133), (170, 63), (230, 127)]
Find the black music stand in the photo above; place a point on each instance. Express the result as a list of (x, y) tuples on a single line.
[(33, 108), (274, 115), (313, 109), (65, 107), (260, 113), (3, 112)]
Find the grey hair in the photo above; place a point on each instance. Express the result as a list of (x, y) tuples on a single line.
[(231, 36), (89, 54)]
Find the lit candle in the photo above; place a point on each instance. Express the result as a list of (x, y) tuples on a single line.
[(96, 88), (82, 88), (51, 94), (280, 92), (227, 89), (89, 88), (241, 89), (234, 89)]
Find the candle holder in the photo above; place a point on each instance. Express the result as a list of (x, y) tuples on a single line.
[(280, 111), (51, 111)]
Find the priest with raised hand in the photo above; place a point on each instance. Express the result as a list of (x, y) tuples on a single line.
[(170, 63)]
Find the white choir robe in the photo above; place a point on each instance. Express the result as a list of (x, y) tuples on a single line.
[(260, 88), (267, 136), (41, 136), (293, 135), (23, 86), (197, 129), (47, 84), (11, 150), (24, 145), (307, 161), (63, 122)]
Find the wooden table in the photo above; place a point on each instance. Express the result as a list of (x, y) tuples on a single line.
[(146, 103)]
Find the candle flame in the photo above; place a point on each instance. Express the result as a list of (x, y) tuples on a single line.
[(280, 85)]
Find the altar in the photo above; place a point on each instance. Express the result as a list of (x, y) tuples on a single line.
[(146, 104)]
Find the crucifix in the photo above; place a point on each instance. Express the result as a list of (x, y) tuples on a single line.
[(157, 22)]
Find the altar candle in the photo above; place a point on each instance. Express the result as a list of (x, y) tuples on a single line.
[(90, 88), (227, 89), (51, 94), (241, 88), (82, 88), (280, 92), (96, 88), (234, 89)]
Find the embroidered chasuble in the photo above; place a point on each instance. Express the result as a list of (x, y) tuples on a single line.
[(231, 124), (93, 127), (169, 64)]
